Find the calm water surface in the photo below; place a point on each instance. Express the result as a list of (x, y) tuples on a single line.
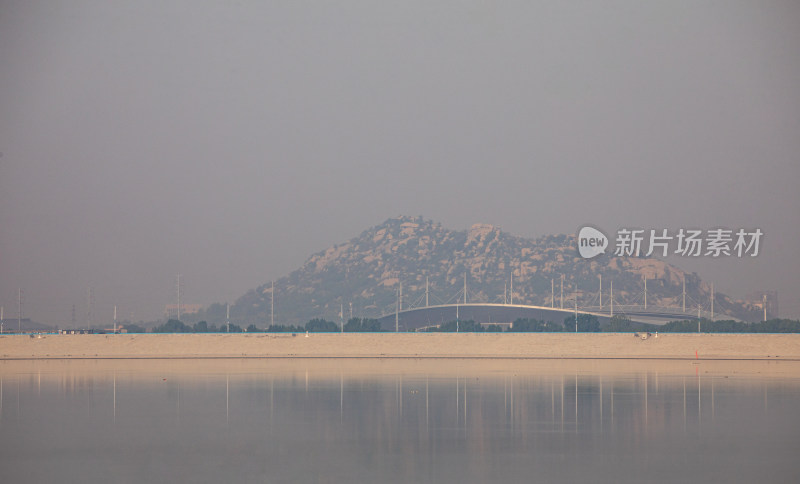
[(304, 422)]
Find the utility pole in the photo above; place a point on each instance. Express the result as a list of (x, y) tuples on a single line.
[(612, 298), (465, 288), (712, 301), (89, 308), (576, 312), (601, 292), (645, 292), (397, 313), (552, 294), (426, 292), (19, 310), (401, 295), (341, 317), (763, 303), (272, 305), (179, 296), (505, 293), (684, 293), (562, 291), (228, 317), (512, 288)]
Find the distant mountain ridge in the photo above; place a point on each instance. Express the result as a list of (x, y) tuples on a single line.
[(368, 270)]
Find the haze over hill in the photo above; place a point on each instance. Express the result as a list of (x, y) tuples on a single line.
[(365, 274), (228, 141)]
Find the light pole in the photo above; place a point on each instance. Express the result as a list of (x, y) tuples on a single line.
[(576, 312)]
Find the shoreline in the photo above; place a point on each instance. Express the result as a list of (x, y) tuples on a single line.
[(543, 346)]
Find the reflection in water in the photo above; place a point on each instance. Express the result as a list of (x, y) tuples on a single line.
[(337, 427)]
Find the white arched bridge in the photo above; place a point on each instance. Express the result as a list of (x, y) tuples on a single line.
[(504, 314), (421, 313)]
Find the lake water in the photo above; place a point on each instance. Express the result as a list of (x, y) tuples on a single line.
[(443, 421)]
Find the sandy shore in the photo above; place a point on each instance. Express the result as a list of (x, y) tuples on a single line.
[(406, 345)]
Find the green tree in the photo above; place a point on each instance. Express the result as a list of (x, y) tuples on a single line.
[(369, 325), (173, 326), (353, 325), (233, 328), (587, 323), (730, 326), (619, 324), (776, 326), (201, 327), (134, 328), (318, 325), (623, 324), (468, 326), (525, 325), (685, 326), (281, 328)]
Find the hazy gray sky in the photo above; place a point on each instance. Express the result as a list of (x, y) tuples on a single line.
[(227, 141)]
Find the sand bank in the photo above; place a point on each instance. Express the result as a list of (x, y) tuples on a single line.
[(406, 345)]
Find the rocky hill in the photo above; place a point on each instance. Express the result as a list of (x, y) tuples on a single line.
[(366, 274)]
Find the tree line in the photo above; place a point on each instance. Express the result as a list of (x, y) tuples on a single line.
[(317, 325), (587, 323), (729, 326)]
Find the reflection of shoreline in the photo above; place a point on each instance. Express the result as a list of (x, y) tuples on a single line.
[(371, 414), (406, 345), (318, 369)]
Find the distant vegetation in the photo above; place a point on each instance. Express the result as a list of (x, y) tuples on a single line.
[(727, 326), (534, 326), (623, 325), (620, 324), (175, 326), (586, 324), (362, 325), (317, 325), (468, 326), (134, 328)]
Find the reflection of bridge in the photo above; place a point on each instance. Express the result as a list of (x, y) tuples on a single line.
[(487, 313)]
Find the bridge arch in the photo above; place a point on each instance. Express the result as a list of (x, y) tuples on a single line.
[(487, 313)]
